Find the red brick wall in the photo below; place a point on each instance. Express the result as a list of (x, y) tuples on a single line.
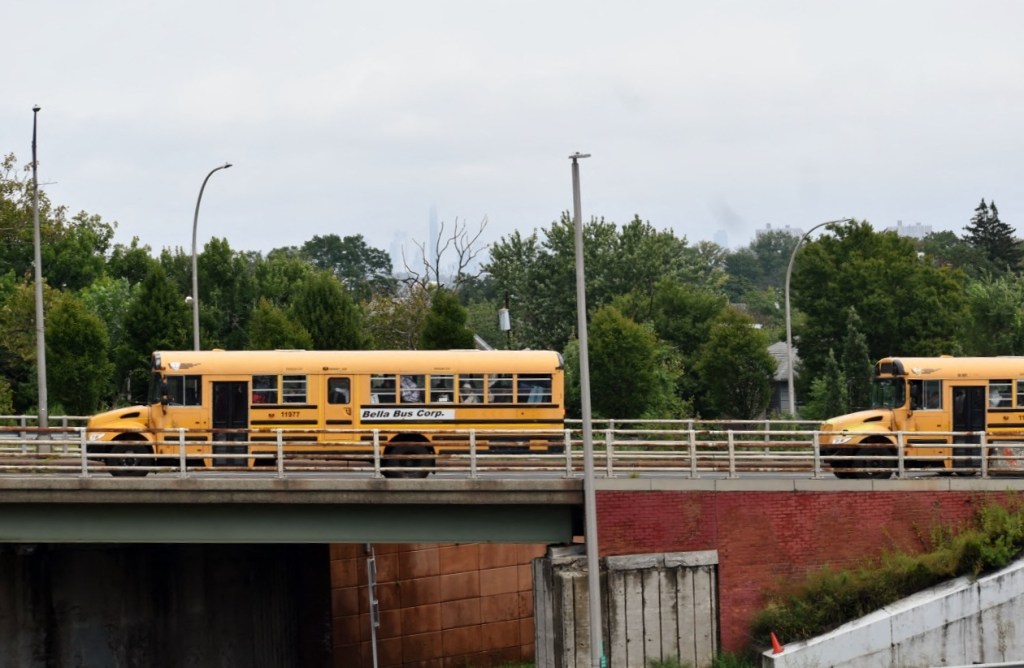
[(440, 605), (762, 537)]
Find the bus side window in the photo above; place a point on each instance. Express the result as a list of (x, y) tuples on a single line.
[(534, 389), (1020, 394), (412, 389), (499, 388), (338, 391), (264, 389), (470, 388), (932, 394), (441, 389), (999, 394), (382, 389)]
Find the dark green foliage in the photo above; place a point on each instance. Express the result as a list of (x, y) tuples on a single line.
[(829, 392), (623, 365), (270, 329), (856, 363), (445, 326), (828, 598), (908, 307), (994, 238), (735, 368), (327, 312), (363, 270), (79, 369)]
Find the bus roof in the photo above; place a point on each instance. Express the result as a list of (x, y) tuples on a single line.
[(358, 361), (953, 367)]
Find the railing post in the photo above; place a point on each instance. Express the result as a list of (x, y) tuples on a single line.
[(900, 461), (732, 454), (816, 445), (280, 452), (983, 444), (472, 454), (376, 454), (568, 452), (609, 450), (693, 452), (84, 452), (182, 460)]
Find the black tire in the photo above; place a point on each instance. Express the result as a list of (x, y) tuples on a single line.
[(874, 468), (135, 463), (403, 456), (839, 466)]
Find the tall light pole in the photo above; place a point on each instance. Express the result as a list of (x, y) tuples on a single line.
[(195, 274), (44, 411), (789, 323), (589, 496)]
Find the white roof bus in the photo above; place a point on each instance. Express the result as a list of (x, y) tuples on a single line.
[(231, 405), (918, 398)]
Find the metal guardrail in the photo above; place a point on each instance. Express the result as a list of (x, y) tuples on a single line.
[(684, 449)]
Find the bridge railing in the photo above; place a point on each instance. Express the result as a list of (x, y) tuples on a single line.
[(686, 448)]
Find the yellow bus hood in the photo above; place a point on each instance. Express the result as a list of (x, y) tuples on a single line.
[(861, 422)]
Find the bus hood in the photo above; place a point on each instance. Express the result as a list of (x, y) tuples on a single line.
[(132, 417), (868, 421)]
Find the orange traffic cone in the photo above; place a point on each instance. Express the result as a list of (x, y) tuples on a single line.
[(776, 647)]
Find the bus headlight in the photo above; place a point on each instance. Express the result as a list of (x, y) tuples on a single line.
[(839, 440), (96, 436)]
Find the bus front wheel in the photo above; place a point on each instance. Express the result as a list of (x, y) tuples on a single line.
[(128, 466), (871, 466)]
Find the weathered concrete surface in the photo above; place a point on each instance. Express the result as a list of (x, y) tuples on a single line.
[(961, 622), (164, 605)]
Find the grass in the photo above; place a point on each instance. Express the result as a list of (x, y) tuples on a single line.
[(828, 598)]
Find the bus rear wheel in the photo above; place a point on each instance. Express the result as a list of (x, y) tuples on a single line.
[(403, 460)]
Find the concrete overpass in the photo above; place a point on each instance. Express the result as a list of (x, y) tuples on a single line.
[(38, 509)]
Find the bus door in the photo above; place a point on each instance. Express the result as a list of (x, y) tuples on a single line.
[(230, 411), (338, 407), (969, 413)]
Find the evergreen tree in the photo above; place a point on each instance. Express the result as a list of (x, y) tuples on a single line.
[(829, 396), (856, 362), (736, 368), (445, 325), (78, 360), (996, 238)]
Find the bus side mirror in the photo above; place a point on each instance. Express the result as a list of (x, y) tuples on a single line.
[(164, 393)]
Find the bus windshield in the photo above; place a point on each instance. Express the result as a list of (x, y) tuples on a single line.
[(888, 393)]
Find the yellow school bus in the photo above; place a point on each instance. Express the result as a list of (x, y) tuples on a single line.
[(414, 404), (917, 395)]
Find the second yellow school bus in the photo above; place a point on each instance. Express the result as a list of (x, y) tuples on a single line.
[(417, 404), (920, 396)]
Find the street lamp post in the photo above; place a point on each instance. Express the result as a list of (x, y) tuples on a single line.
[(195, 274), (589, 495), (44, 410), (789, 323)]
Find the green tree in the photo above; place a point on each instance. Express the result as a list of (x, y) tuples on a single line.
[(445, 326), (624, 366), (828, 396), (281, 275), (994, 237), (946, 249), (18, 341), (157, 319), (910, 307), (736, 368), (228, 295), (395, 322), (994, 322), (327, 312), (79, 369), (363, 270), (270, 329), (857, 365)]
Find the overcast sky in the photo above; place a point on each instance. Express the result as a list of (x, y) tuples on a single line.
[(346, 117)]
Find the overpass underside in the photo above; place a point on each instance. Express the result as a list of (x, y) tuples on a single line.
[(271, 510)]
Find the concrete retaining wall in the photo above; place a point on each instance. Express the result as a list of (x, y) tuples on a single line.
[(961, 622)]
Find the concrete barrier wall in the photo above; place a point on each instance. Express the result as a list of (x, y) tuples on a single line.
[(962, 622), (656, 607)]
